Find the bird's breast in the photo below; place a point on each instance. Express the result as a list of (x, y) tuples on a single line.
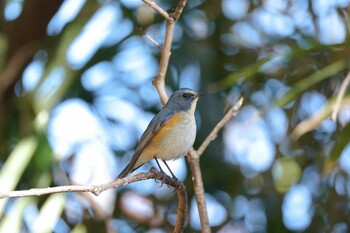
[(175, 138)]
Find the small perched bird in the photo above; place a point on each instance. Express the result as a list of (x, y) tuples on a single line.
[(170, 134)]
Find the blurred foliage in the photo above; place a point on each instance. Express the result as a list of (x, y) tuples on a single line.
[(231, 62)]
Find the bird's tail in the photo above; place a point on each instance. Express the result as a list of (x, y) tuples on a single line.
[(125, 172), (131, 166), (128, 169)]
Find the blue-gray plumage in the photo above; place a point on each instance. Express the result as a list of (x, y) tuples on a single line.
[(170, 134)]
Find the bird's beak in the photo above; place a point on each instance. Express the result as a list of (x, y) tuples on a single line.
[(199, 95)]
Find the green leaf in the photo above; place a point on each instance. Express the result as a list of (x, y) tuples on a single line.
[(15, 165), (245, 73), (50, 213), (311, 80), (12, 221)]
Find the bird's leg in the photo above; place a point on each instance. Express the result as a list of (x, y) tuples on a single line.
[(172, 174), (160, 168)]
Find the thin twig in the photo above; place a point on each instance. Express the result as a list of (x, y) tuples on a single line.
[(153, 41), (340, 96), (157, 8), (179, 9), (213, 134), (97, 189)]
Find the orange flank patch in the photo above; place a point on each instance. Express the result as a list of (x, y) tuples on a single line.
[(166, 128), (155, 145)]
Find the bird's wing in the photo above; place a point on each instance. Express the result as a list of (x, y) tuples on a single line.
[(153, 127)]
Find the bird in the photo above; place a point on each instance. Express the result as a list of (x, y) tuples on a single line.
[(170, 134)]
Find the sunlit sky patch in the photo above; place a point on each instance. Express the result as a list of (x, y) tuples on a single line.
[(246, 34), (13, 9), (297, 208), (118, 109), (278, 19), (131, 3), (99, 167), (234, 9), (71, 125), (246, 130), (198, 23), (190, 76), (133, 58), (32, 75), (94, 33), (50, 85), (344, 116), (273, 23), (138, 205), (239, 207), (311, 179), (251, 213), (302, 18), (345, 159), (255, 218), (66, 13), (97, 76), (277, 123), (332, 28), (216, 212)]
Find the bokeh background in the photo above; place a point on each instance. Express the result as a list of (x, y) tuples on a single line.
[(76, 94)]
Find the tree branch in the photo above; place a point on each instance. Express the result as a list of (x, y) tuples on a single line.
[(157, 8), (97, 189), (213, 134), (159, 80), (193, 159)]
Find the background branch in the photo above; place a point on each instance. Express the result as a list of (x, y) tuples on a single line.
[(340, 96), (316, 119)]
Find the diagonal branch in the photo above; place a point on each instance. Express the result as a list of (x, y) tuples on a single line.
[(97, 189), (211, 137), (153, 41), (336, 106), (193, 159)]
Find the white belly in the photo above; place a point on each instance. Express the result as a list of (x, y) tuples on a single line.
[(183, 137)]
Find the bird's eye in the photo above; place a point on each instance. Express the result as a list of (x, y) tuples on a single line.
[(185, 95)]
